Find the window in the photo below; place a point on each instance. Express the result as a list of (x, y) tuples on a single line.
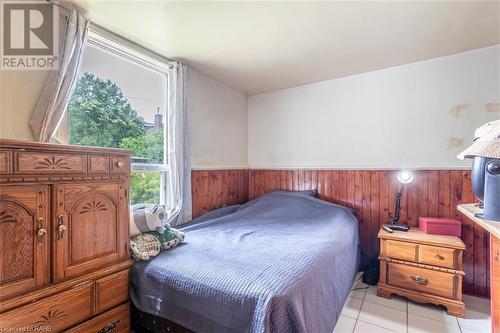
[(120, 101)]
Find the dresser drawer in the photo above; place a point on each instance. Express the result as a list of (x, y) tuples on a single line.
[(116, 321), (28, 162), (120, 164), (52, 314), (112, 290), (98, 164), (436, 256), (400, 250), (421, 279)]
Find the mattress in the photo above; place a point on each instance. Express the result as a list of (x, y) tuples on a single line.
[(280, 263)]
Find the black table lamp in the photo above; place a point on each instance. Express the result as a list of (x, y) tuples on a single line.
[(404, 177)]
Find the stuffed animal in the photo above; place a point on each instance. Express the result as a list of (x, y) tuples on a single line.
[(170, 238), (148, 217), (151, 232), (145, 246)]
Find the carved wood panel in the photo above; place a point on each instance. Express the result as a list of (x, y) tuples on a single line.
[(16, 232), (23, 238), (93, 222), (52, 314), (40, 163), (89, 227)]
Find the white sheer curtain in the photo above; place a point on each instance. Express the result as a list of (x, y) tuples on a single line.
[(178, 152), (49, 111)]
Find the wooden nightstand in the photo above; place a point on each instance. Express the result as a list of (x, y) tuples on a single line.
[(422, 267)]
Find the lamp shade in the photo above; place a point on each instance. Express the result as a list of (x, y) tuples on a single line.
[(486, 142), (405, 177)]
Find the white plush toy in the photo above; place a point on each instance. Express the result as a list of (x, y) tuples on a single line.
[(148, 217)]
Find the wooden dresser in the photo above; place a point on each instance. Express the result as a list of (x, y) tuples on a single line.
[(424, 268), (64, 230), (493, 228)]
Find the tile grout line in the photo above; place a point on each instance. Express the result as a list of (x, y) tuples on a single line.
[(365, 299), (407, 315), (459, 327), (385, 306), (385, 328), (357, 317)]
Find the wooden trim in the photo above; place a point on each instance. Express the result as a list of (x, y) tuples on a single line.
[(50, 179), (416, 264), (361, 168), (455, 307), (420, 237), (29, 145)]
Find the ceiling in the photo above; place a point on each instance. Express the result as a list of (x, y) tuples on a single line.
[(258, 47)]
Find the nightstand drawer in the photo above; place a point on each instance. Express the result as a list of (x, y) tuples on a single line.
[(400, 250), (421, 279), (436, 256)]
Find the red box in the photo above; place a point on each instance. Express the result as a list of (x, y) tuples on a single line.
[(440, 226)]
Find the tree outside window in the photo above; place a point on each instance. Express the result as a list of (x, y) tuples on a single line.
[(100, 115)]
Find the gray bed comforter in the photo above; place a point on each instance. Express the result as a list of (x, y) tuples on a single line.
[(283, 262)]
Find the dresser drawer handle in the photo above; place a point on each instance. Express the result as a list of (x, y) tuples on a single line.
[(110, 327), (439, 257), (60, 227), (419, 279), (40, 230)]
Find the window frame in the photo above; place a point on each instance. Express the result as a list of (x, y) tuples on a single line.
[(138, 56)]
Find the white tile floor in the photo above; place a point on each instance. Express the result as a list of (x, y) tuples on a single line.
[(365, 312)]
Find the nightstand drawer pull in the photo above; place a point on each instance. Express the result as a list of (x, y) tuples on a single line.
[(419, 279), (439, 257)]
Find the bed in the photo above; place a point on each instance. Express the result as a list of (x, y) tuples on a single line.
[(284, 262)]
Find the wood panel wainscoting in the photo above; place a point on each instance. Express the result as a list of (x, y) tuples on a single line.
[(371, 193), (213, 189)]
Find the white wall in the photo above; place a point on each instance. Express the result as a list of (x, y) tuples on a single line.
[(396, 117), (217, 116), (19, 93), (389, 118), (218, 123)]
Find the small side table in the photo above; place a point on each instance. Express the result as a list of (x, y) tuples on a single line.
[(422, 267)]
